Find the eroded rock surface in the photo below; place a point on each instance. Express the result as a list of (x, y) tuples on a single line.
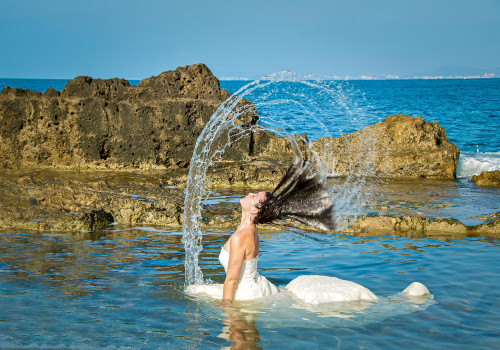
[(109, 124), (398, 147), (74, 201), (418, 226), (86, 201), (487, 179)]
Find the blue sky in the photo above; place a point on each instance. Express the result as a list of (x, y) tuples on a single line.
[(137, 39)]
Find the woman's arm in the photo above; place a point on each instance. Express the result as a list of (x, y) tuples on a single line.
[(236, 257)]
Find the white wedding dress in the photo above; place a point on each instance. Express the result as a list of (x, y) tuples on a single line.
[(310, 289), (250, 286)]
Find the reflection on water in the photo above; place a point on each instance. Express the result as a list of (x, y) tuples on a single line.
[(124, 288), (89, 262), (239, 328), (460, 199)]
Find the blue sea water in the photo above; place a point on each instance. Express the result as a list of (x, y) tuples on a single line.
[(468, 109), (122, 289)]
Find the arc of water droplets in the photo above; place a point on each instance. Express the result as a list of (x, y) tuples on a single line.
[(271, 107)]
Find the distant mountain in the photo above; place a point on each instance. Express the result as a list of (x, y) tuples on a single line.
[(457, 71)]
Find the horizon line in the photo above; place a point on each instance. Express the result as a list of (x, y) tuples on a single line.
[(334, 77)]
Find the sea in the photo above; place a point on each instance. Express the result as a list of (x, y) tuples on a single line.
[(468, 109), (122, 287)]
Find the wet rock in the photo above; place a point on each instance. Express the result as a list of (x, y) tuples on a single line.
[(71, 201), (416, 226), (399, 147), (94, 220), (74, 201), (491, 228), (260, 174), (487, 178), (267, 160), (405, 224)]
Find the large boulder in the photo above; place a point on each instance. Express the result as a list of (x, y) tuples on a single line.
[(399, 147), (96, 123), (487, 178)]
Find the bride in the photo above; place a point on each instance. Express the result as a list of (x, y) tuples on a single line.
[(302, 197)]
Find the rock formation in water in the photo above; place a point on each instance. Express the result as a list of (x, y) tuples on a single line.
[(405, 147), (487, 178), (109, 124), (95, 123), (418, 226), (86, 201), (52, 200)]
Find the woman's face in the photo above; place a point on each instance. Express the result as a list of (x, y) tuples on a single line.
[(251, 200)]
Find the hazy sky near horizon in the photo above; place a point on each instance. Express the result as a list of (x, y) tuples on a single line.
[(138, 39)]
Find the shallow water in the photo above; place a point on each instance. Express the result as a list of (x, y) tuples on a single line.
[(460, 199), (122, 288)]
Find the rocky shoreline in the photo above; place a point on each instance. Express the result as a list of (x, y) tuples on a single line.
[(76, 201), (103, 151)]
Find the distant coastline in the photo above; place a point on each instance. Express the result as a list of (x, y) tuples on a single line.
[(429, 77)]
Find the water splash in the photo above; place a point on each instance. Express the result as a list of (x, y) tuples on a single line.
[(284, 103), (471, 163)]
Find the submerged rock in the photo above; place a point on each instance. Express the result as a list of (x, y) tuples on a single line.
[(399, 147), (487, 178), (49, 200), (417, 226), (88, 201)]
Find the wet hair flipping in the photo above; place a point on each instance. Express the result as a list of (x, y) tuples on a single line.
[(303, 197)]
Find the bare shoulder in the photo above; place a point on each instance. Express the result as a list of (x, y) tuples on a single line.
[(243, 238)]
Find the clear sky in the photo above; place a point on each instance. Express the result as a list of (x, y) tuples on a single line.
[(137, 39)]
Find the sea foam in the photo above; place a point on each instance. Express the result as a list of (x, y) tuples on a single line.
[(474, 163)]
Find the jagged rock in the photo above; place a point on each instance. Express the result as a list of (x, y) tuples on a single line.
[(490, 228), (399, 147), (96, 123), (109, 124), (487, 178), (51, 92), (267, 161), (194, 81), (73, 200)]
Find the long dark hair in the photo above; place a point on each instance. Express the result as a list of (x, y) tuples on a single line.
[(303, 197)]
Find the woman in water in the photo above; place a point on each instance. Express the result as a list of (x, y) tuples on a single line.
[(301, 196)]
